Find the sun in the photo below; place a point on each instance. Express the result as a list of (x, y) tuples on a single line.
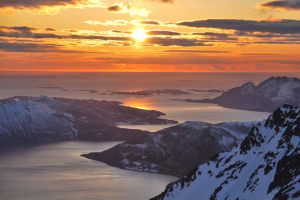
[(139, 35)]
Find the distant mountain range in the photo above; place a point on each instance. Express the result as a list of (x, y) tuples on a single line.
[(266, 96), (41, 119), (175, 150), (265, 166)]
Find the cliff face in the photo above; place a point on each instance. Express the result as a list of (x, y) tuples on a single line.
[(264, 166)]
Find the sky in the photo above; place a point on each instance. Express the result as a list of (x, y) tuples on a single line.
[(150, 36)]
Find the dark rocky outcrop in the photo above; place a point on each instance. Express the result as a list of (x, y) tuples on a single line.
[(265, 166)]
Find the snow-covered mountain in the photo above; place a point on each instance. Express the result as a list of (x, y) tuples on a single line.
[(266, 96), (265, 166), (29, 119), (175, 150)]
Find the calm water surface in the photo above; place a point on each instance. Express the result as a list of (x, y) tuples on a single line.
[(57, 172)]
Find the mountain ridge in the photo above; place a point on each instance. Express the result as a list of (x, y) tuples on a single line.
[(42, 119), (174, 150), (264, 166), (266, 96)]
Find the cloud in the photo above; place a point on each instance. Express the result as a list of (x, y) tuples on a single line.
[(127, 8), (119, 22), (165, 1), (7, 46), (202, 59), (20, 4), (171, 60), (175, 42), (50, 29), (215, 36), (281, 27), (27, 47), (282, 4), (147, 22), (115, 8), (120, 32), (25, 32), (163, 32), (195, 51), (260, 54), (155, 37), (18, 28)]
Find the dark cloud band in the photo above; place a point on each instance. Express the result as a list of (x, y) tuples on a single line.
[(283, 4), (39, 3), (114, 8), (27, 47), (281, 27), (26, 32), (163, 32)]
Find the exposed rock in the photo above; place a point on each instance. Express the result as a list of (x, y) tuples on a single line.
[(264, 166)]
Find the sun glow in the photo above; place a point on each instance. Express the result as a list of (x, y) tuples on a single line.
[(139, 35), (141, 103)]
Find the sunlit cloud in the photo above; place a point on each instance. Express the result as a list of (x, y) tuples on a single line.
[(119, 35), (122, 22), (128, 8), (108, 23), (109, 39), (156, 37), (49, 6), (81, 37)]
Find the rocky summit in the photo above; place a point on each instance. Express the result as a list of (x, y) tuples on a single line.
[(264, 166)]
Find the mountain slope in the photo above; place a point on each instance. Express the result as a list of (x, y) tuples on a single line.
[(264, 166), (39, 119), (266, 96), (26, 120), (175, 150)]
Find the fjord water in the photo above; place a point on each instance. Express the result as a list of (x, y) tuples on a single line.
[(56, 170)]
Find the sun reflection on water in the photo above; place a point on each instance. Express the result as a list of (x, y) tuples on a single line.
[(141, 103)]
